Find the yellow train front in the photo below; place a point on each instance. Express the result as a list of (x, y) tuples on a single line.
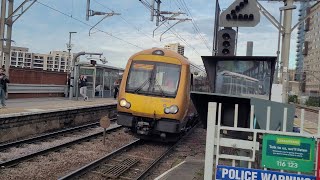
[(154, 96)]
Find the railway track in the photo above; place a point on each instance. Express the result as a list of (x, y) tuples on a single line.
[(314, 110), (128, 162), (48, 136), (17, 160)]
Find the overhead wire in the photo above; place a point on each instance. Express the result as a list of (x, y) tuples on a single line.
[(109, 34), (128, 22), (195, 26), (173, 31), (182, 39), (76, 19)]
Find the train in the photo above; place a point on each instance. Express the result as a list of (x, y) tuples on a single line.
[(154, 96)]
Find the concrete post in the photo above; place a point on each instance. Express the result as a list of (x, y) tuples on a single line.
[(249, 48), (287, 21)]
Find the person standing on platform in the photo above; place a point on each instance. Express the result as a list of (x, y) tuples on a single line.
[(3, 87), (83, 87), (116, 85)]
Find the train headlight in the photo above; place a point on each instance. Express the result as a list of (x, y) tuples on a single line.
[(124, 103), (171, 110), (158, 52)]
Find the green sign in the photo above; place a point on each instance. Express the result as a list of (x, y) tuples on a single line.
[(288, 153)]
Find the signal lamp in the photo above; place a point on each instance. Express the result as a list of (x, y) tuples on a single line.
[(93, 62), (226, 44), (240, 17), (241, 5), (237, 8), (226, 36), (234, 16), (251, 17), (225, 51)]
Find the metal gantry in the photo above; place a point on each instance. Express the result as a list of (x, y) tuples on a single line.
[(160, 15), (13, 16), (90, 12)]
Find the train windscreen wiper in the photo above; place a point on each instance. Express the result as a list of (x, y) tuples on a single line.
[(142, 85), (161, 91)]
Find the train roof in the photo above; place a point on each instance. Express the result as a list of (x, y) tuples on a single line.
[(167, 53)]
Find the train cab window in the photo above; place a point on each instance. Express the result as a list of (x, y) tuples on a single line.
[(167, 78), (139, 77), (153, 78)]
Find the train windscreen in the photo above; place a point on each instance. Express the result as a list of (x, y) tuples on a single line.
[(153, 78)]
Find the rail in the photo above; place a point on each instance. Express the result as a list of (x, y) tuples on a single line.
[(96, 163), (310, 109), (48, 135), (55, 148), (89, 167)]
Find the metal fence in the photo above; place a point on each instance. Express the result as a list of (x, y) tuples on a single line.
[(246, 152), (35, 88)]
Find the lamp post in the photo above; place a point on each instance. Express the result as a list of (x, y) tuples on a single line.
[(69, 46)]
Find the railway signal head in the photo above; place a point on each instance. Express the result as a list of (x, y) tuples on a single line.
[(226, 42), (242, 13)]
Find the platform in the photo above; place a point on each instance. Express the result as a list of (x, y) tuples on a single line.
[(30, 106), (189, 169), (25, 117)]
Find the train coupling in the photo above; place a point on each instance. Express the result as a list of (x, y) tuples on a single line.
[(163, 135), (143, 128)]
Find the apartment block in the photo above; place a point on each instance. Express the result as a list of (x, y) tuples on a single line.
[(54, 61), (311, 50), (176, 47), (60, 61), (303, 12), (20, 57)]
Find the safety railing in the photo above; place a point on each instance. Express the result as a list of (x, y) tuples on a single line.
[(244, 152), (35, 88)]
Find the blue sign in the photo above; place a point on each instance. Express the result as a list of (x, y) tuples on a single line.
[(236, 173)]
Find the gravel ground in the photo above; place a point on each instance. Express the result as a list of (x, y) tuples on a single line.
[(309, 116), (192, 147), (58, 164), (311, 121), (26, 149)]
